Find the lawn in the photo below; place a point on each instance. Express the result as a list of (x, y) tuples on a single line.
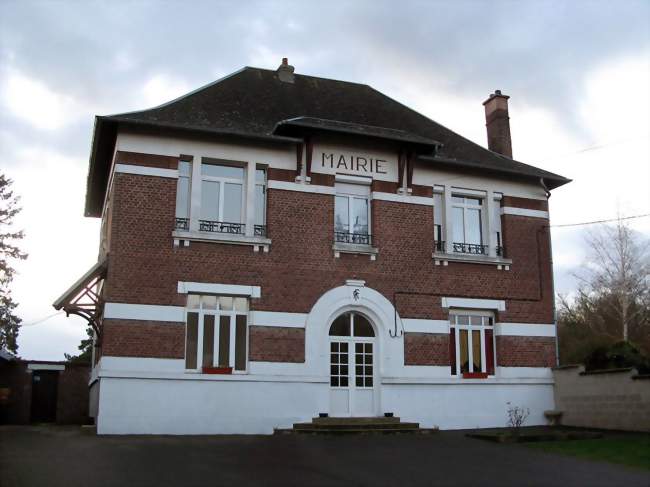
[(631, 450)]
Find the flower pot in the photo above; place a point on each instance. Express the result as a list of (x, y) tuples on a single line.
[(217, 370)]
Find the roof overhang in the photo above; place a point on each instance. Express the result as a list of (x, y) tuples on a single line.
[(300, 125), (551, 180), (82, 298), (103, 147)]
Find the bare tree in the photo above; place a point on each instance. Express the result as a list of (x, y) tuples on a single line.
[(613, 298)]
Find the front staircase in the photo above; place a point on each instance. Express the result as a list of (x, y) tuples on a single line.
[(351, 426)]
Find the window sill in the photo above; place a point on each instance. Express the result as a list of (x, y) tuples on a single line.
[(441, 258), (184, 238), (347, 248)]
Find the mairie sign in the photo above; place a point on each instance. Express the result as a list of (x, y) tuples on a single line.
[(352, 162)]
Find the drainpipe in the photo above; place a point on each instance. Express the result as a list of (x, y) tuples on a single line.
[(550, 244)]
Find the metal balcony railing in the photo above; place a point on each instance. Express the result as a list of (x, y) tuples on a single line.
[(222, 227), (474, 249), (182, 224), (353, 238)]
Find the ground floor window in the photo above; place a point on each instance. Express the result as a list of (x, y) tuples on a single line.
[(216, 333), (471, 344)]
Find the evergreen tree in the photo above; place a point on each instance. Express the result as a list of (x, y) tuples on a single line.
[(9, 251)]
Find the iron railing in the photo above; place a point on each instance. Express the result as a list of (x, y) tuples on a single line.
[(353, 238), (182, 223), (221, 227), (259, 230), (465, 248)]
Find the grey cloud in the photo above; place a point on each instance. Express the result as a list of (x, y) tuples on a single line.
[(538, 50)]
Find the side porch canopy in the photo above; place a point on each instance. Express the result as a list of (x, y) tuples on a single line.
[(82, 298)]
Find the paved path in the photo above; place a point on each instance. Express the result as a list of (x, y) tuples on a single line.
[(65, 456)]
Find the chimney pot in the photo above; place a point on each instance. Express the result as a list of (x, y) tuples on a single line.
[(497, 121), (285, 71)]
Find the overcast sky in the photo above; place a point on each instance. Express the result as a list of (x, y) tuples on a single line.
[(577, 72)]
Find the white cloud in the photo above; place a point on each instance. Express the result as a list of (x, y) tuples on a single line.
[(160, 89), (61, 243), (34, 102)]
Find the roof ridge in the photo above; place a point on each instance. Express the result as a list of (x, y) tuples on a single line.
[(313, 77)]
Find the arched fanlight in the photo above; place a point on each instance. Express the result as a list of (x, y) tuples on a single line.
[(351, 324)]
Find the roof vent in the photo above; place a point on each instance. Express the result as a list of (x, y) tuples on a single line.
[(285, 71)]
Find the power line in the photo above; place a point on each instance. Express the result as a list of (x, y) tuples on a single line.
[(600, 221), (41, 320), (594, 147)]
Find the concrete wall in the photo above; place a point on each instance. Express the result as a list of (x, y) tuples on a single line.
[(610, 399), (234, 405)]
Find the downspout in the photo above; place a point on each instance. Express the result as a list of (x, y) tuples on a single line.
[(550, 244)]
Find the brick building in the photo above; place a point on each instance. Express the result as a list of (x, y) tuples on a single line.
[(276, 246), (37, 391)]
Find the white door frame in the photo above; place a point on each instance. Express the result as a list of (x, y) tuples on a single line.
[(354, 296), (352, 387)]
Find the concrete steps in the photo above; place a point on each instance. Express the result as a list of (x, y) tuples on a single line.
[(354, 426)]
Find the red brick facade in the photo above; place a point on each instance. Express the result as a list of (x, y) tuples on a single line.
[(426, 349), (517, 351), (275, 344), (145, 267), (131, 338)]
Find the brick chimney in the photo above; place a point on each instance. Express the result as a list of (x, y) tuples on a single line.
[(497, 122), (285, 71)]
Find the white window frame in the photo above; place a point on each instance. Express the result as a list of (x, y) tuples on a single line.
[(341, 192), (181, 178), (485, 317), (263, 184), (465, 206), (439, 207), (222, 181), (217, 313)]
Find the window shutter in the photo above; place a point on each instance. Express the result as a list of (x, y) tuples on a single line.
[(452, 350), (240, 342), (191, 340), (489, 352)]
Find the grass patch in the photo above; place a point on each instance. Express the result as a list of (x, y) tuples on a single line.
[(631, 450)]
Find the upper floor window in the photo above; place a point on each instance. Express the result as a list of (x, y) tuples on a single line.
[(222, 193), (260, 202), (438, 223), (216, 332), (472, 344), (467, 230), (183, 195), (496, 228), (352, 214), (220, 197)]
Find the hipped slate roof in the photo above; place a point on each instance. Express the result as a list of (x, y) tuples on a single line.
[(253, 103)]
